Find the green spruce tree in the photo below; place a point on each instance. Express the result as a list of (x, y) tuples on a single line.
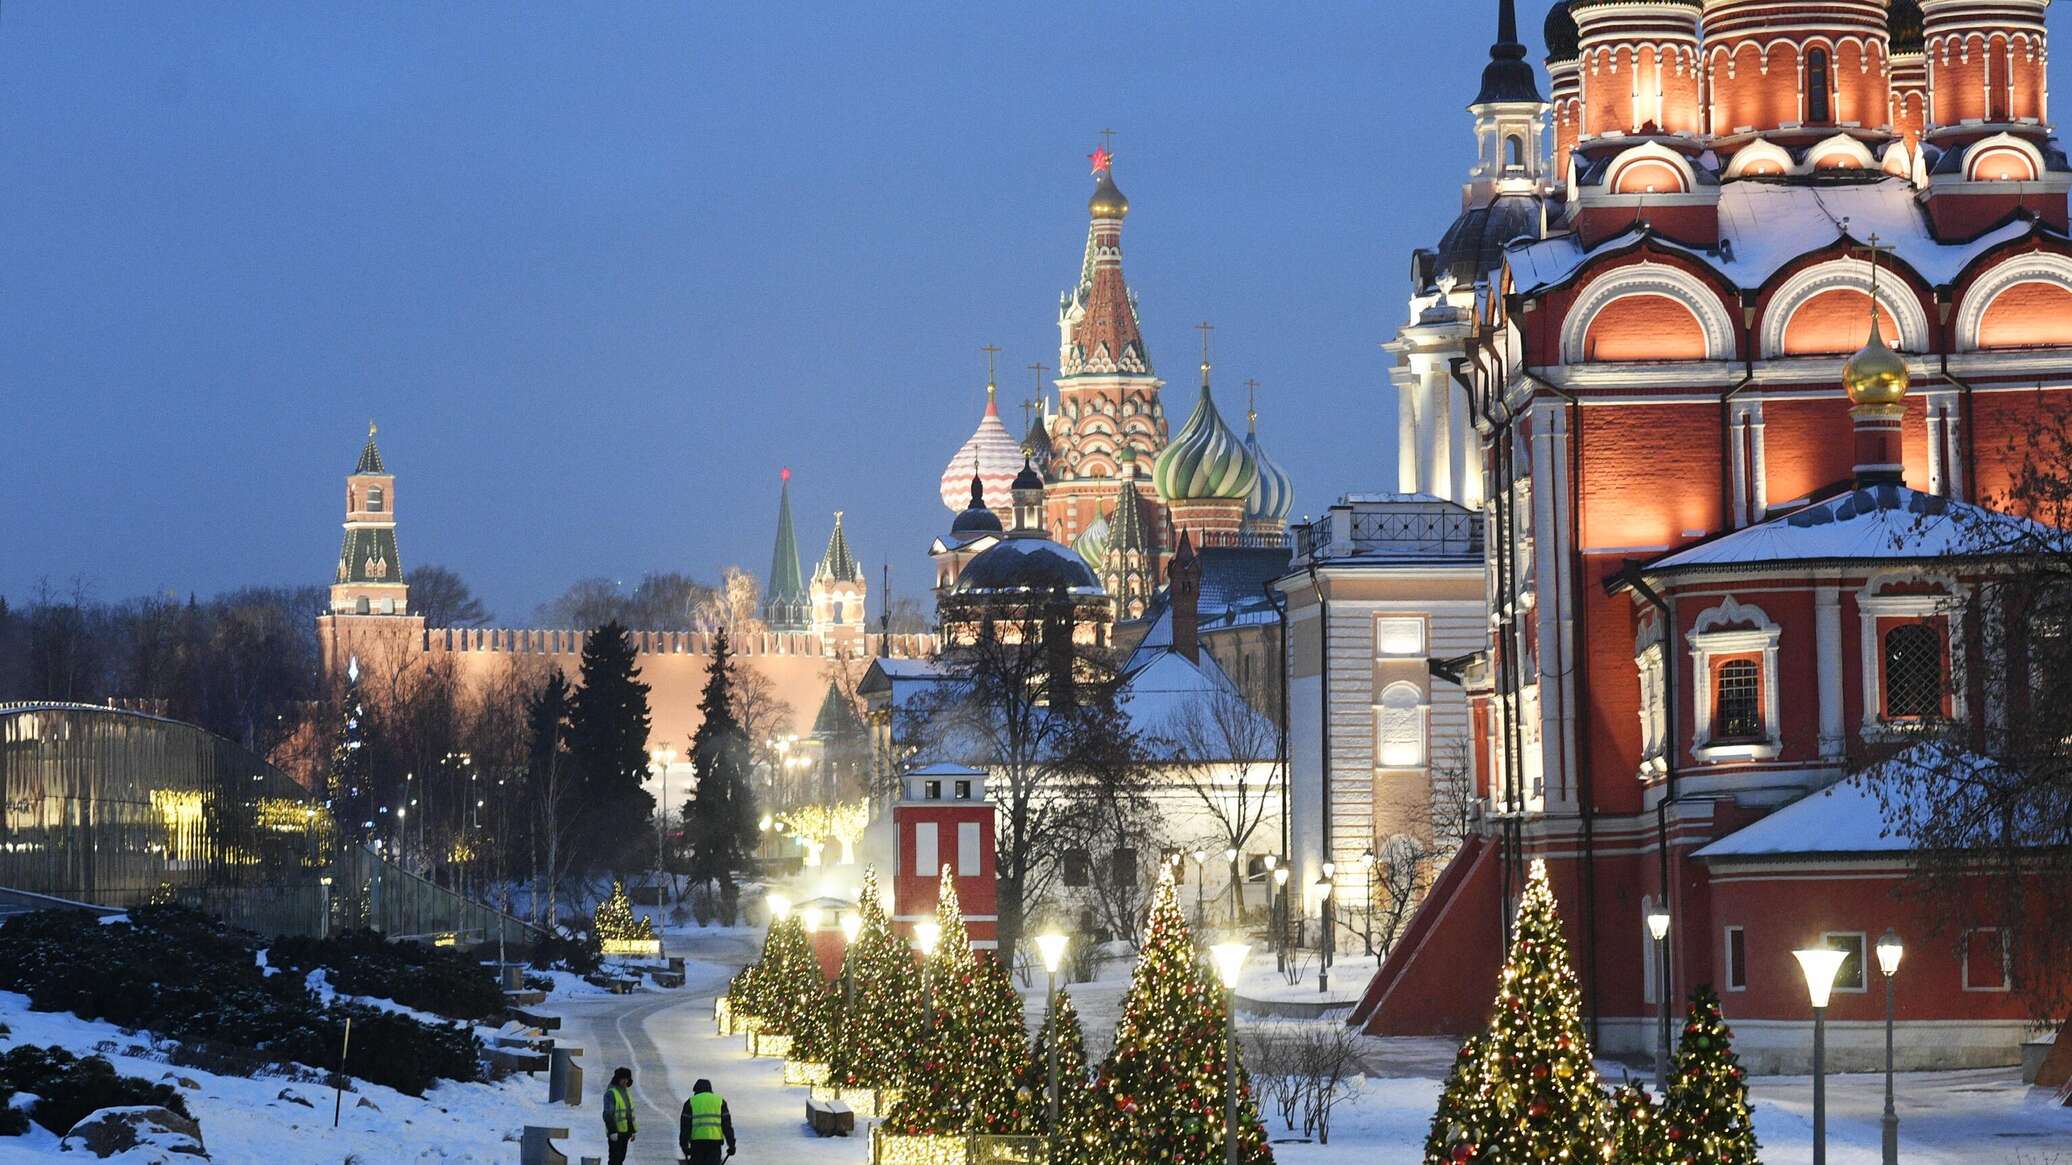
[(1637, 1127), (1161, 1089), (1544, 1102), (792, 990), (615, 920), (1458, 1126), (874, 1046), (608, 745), (975, 1057), (1705, 1116), (349, 786), (720, 819), (1078, 1132)]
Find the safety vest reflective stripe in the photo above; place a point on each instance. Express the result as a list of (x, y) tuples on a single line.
[(618, 1109), (705, 1122)]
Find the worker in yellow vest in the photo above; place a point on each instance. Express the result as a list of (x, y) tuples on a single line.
[(618, 1115), (706, 1125)]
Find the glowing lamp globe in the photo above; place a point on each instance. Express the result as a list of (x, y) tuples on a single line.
[(1230, 961), (810, 918), (852, 925), (1820, 965), (1658, 923), (926, 935), (1052, 947), (1889, 952), (780, 907)]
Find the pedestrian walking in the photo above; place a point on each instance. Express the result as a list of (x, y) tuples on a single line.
[(705, 1126), (618, 1116)]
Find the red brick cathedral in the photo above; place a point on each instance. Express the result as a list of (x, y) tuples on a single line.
[(1737, 380)]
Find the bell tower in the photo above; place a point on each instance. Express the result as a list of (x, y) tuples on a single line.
[(369, 580)]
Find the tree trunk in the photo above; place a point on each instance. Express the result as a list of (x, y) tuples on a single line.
[(1009, 927)]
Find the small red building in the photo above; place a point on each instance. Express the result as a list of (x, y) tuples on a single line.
[(944, 821)]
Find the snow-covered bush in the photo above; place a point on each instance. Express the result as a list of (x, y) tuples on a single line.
[(67, 1088)]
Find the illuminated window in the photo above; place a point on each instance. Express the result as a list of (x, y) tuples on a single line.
[(1398, 636), (1913, 672), (1740, 712)]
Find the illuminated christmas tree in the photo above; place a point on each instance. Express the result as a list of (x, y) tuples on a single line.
[(1078, 1131), (1541, 1100), (1457, 1128), (616, 922), (747, 994), (349, 786), (1705, 1116), (791, 988), (1161, 1089), (973, 1061), (874, 1043), (1637, 1128)]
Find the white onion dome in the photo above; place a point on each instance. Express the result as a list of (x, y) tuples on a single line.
[(1273, 493), (1206, 461), (992, 455)]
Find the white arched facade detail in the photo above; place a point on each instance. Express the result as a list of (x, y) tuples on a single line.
[(1401, 727), (1854, 275), (1649, 279), (1984, 148), (1760, 151), (1652, 152), (2034, 267), (1841, 143)]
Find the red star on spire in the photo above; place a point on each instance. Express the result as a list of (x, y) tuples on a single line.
[(785, 473), (1102, 158)]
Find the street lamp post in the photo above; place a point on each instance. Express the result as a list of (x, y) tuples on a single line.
[(1819, 965), (926, 935), (1052, 947), (1658, 926), (1889, 952), (852, 925), (1280, 918), (1324, 929), (1201, 884), (663, 758), (1230, 963)]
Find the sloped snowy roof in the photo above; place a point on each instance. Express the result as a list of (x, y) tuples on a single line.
[(1848, 816), (1768, 225), (1878, 522)]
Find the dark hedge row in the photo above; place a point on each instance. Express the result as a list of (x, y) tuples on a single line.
[(440, 980), (190, 979), (69, 1088)]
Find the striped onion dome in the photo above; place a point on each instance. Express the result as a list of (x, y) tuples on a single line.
[(992, 456), (1206, 461), (1273, 494), (1092, 543)]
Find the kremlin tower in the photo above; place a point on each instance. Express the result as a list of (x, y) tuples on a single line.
[(787, 606)]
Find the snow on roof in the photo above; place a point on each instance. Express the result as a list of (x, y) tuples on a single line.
[(1768, 225), (1878, 522), (1849, 817)]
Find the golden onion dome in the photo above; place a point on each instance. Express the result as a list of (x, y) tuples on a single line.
[(1108, 201), (1876, 375)]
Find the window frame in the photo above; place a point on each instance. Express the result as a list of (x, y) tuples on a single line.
[(1723, 727), (1913, 629), (1820, 98), (1719, 635), (1863, 954), (2006, 961), (1735, 942), (1874, 608)]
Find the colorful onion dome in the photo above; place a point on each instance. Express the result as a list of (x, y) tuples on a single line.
[(989, 455), (1092, 543), (976, 518), (1206, 461), (1876, 375), (1107, 200), (1273, 494)]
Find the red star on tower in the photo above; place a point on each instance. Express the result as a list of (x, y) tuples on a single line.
[(1102, 158)]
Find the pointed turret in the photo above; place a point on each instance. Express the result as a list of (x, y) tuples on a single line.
[(1508, 76), (1099, 318), (369, 580), (1129, 566), (838, 563), (786, 605)]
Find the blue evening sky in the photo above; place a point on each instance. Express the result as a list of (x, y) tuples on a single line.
[(600, 270)]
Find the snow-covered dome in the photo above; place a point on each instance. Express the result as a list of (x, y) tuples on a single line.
[(992, 456), (1206, 461), (1027, 562)]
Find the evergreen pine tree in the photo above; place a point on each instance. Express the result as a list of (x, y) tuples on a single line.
[(873, 1047), (349, 786), (615, 920), (1637, 1128), (793, 991), (1457, 1126), (1078, 1133), (608, 744), (720, 820), (1705, 1116), (974, 1059), (1543, 1101), (1161, 1089), (747, 993)]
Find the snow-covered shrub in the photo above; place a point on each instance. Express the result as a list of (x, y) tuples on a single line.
[(579, 955), (67, 1088)]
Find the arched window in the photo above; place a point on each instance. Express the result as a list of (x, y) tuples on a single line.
[(1514, 152), (374, 499), (1913, 672), (1817, 111), (1739, 715)]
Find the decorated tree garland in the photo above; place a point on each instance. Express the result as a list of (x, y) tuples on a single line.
[(1078, 1132), (1637, 1128), (1457, 1125), (1705, 1117), (791, 988), (973, 1061), (873, 1044), (1161, 1089), (615, 920)]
